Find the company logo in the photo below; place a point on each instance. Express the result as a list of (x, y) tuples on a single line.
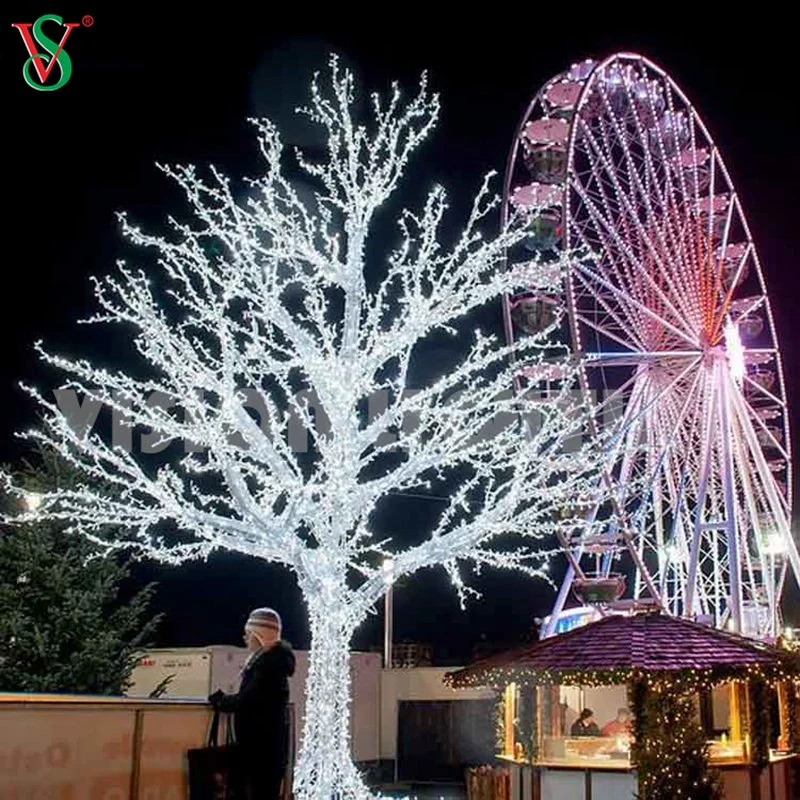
[(38, 68)]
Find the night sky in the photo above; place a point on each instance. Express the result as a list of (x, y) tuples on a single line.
[(150, 87)]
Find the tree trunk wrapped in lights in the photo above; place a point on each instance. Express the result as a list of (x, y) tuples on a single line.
[(270, 299)]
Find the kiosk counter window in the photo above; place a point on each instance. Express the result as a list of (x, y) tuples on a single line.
[(591, 727)]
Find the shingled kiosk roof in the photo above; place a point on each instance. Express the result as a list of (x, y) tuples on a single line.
[(651, 642)]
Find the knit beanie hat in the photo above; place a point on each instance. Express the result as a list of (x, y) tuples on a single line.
[(262, 620)]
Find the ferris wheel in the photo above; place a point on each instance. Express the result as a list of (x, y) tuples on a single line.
[(669, 318)]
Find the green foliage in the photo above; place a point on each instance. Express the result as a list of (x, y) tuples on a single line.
[(63, 626), (760, 722), (791, 715), (526, 720), (500, 722), (670, 748)]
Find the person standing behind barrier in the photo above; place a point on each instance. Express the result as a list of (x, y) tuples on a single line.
[(261, 706)]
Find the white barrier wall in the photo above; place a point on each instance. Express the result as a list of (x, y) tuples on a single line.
[(420, 683), (199, 671), (96, 748)]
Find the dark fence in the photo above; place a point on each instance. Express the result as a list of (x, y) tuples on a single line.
[(438, 740)]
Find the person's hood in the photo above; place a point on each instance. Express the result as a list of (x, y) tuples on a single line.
[(282, 658)]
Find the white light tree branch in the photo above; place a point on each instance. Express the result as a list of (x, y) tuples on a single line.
[(271, 313)]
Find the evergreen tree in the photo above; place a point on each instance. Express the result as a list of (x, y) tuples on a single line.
[(670, 748), (63, 626)]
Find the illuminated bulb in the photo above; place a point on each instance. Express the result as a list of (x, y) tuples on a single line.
[(775, 544), (733, 346)]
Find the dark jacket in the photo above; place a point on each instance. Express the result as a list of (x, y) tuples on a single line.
[(580, 728), (260, 707)]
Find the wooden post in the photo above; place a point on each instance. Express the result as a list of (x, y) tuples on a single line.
[(735, 712), (538, 745), (138, 725), (748, 722), (508, 715)]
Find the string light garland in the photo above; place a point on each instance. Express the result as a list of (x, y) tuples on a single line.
[(693, 680), (526, 723), (267, 296)]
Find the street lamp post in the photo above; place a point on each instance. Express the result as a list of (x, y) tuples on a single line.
[(388, 565)]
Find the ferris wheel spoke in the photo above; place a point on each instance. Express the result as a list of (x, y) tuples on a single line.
[(655, 456), (637, 357), (775, 505), (728, 297), (626, 524), (612, 400), (604, 331), (681, 515), (695, 547), (763, 392), (617, 220), (672, 200), (662, 391), (769, 435), (726, 188), (659, 473), (661, 187), (605, 229), (626, 299), (678, 233), (637, 490), (610, 199), (674, 423), (613, 243), (606, 238), (633, 340), (732, 518), (756, 488)]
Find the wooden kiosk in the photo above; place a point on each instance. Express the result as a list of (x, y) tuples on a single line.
[(675, 703)]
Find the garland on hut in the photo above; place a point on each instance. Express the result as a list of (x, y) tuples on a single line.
[(791, 716), (500, 722), (526, 721), (760, 722)]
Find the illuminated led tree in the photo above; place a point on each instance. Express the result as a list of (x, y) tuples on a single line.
[(277, 315)]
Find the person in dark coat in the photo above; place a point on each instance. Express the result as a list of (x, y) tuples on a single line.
[(585, 724), (260, 707)]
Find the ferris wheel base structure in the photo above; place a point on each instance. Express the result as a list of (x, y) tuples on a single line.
[(669, 318)]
